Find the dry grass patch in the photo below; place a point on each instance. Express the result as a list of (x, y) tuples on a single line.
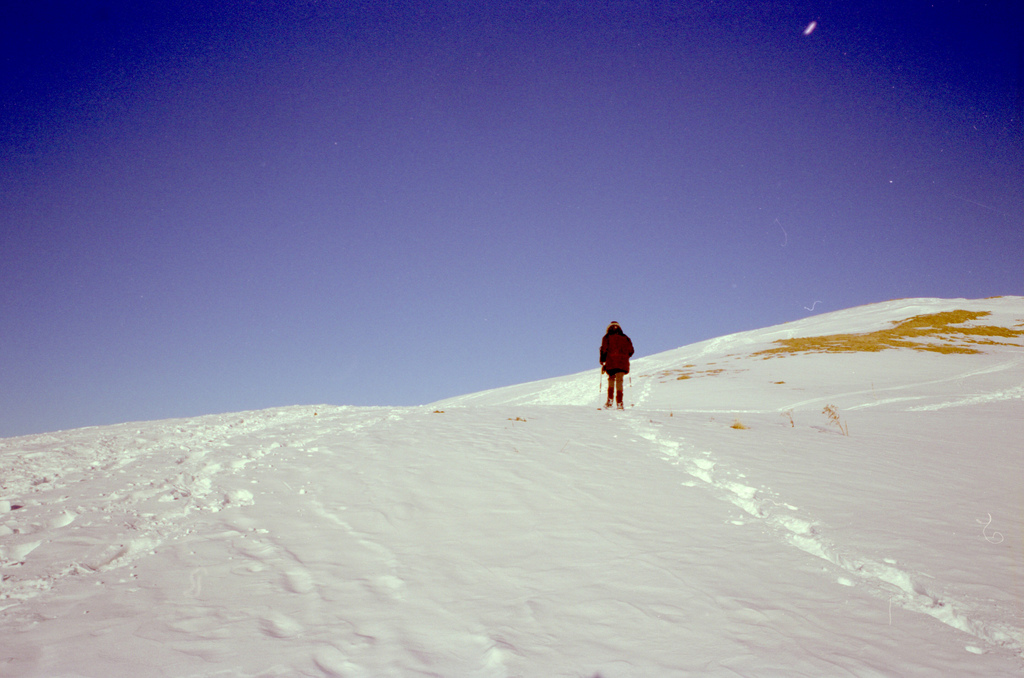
[(832, 413), (689, 372), (936, 332)]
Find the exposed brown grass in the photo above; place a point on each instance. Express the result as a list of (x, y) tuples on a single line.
[(687, 373), (943, 332), (832, 413)]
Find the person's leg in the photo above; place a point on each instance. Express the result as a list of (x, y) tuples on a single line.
[(611, 390), (618, 387)]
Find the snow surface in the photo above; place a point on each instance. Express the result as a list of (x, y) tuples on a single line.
[(524, 532)]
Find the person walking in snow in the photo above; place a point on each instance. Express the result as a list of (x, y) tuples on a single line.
[(616, 349)]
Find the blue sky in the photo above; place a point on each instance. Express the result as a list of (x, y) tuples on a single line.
[(210, 207)]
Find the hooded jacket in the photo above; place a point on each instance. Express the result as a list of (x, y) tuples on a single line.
[(616, 349)]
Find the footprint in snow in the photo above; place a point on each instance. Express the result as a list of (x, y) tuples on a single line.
[(65, 518), (17, 552), (333, 663), (277, 625), (298, 581)]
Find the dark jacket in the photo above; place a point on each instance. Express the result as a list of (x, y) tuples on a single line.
[(616, 349)]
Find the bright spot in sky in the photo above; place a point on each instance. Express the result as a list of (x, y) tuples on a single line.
[(810, 27)]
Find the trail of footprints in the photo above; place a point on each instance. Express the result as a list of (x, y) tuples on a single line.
[(131, 488), (884, 578)]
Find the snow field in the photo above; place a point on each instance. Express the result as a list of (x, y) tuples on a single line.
[(524, 532)]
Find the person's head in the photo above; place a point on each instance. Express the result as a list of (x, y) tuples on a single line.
[(614, 328)]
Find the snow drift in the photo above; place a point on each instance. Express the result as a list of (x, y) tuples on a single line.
[(838, 496)]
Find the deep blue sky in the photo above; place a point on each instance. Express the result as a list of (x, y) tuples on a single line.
[(217, 206)]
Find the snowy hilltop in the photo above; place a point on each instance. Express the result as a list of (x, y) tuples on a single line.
[(837, 496)]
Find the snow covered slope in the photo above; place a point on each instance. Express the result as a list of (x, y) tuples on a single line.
[(839, 496), (743, 380)]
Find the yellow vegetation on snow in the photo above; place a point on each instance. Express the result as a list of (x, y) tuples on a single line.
[(943, 332)]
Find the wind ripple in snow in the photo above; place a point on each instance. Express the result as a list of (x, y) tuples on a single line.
[(1009, 394)]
